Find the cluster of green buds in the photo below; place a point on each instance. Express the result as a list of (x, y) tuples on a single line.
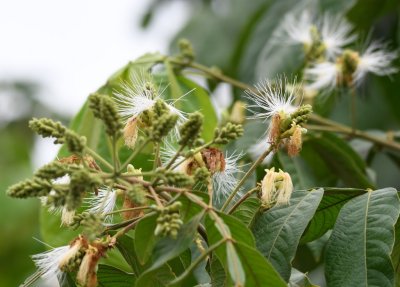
[(227, 133), (104, 108), (175, 178), (92, 224), (186, 50), (49, 128), (191, 130), (169, 220)]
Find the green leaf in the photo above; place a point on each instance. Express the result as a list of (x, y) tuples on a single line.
[(198, 99), (342, 159), (328, 210), (126, 247), (259, 272), (396, 253), (145, 239), (248, 211), (238, 256), (358, 252), (157, 278), (235, 267), (189, 208), (217, 273), (236, 229), (109, 276), (169, 248), (278, 230)]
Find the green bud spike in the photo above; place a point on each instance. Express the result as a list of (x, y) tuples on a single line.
[(190, 131), (48, 128), (35, 187), (104, 108), (75, 143), (52, 170), (227, 133)]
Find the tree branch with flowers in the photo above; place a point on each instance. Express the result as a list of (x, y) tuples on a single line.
[(151, 189)]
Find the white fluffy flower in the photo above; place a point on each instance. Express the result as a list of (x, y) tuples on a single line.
[(335, 34), (296, 30), (137, 97), (322, 76), (48, 262), (272, 98), (103, 203), (376, 59), (224, 179)]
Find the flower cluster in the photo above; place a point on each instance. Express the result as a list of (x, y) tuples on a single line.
[(330, 61)]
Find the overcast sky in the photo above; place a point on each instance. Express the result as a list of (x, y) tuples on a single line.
[(71, 47)]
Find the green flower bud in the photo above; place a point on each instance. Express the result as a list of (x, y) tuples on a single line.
[(104, 108), (163, 125), (186, 49), (227, 133), (52, 170), (191, 129), (35, 187), (48, 128), (75, 143)]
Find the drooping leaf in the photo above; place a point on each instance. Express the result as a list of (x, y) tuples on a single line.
[(278, 230), (358, 251)]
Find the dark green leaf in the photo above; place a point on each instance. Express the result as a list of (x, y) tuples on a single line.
[(169, 248), (108, 276), (278, 230), (126, 247), (156, 278), (341, 158), (358, 252), (248, 211), (328, 210), (145, 239)]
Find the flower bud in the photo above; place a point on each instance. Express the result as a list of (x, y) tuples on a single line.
[(131, 132), (276, 188)]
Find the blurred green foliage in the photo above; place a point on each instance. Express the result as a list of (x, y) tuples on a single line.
[(19, 222)]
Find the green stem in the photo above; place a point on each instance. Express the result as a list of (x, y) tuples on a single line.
[(128, 209), (199, 149), (219, 76), (242, 199), (246, 176), (197, 261), (178, 152), (99, 158), (133, 155)]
